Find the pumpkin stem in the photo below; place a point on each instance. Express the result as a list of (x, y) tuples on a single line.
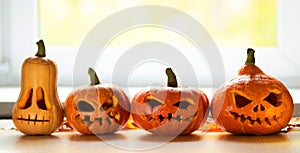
[(41, 49), (250, 57), (93, 77), (172, 81)]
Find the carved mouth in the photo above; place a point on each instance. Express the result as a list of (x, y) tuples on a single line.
[(267, 120), (169, 117), (100, 120), (34, 120)]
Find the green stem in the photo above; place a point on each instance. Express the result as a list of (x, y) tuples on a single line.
[(93, 77), (250, 57), (172, 81), (41, 49)]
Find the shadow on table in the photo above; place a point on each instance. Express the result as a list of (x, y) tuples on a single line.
[(27, 140), (37, 137), (103, 137), (180, 138), (273, 138)]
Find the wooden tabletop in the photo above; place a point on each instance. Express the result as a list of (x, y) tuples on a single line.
[(12, 140)]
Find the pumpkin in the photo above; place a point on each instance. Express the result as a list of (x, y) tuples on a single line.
[(38, 110), (252, 102), (98, 108), (170, 110)]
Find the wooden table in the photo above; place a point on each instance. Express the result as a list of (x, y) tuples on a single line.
[(12, 140)]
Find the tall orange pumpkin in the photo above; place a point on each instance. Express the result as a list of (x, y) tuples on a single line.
[(252, 102), (98, 108), (169, 110), (38, 110)]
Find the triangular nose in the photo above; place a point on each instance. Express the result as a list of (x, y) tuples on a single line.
[(259, 107)]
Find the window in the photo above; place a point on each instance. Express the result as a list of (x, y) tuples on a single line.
[(275, 37), (232, 23)]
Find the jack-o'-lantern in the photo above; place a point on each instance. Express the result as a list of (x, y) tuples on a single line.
[(98, 108), (169, 110), (38, 110), (252, 102)]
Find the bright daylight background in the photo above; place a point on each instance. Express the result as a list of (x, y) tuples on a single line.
[(232, 23)]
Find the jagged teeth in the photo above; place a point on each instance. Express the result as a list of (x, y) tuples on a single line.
[(100, 120), (258, 121), (169, 117), (267, 121), (276, 118), (108, 120), (178, 118), (161, 118), (243, 118)]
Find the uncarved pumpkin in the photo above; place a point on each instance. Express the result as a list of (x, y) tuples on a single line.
[(252, 102)]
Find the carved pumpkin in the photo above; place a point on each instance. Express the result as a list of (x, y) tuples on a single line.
[(98, 108), (252, 102), (169, 110), (38, 110)]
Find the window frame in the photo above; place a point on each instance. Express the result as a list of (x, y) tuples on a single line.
[(4, 60), (22, 33), (1, 31), (3, 53)]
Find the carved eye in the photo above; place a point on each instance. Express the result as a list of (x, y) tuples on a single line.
[(274, 99), (153, 103), (41, 99), (182, 104), (84, 106), (241, 101), (29, 100), (108, 104)]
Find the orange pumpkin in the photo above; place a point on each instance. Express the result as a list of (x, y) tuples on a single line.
[(98, 108), (252, 102), (38, 110), (169, 110)]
